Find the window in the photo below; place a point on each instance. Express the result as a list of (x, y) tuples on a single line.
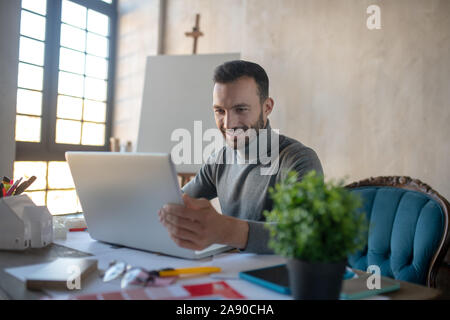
[(64, 92), (31, 71), (53, 187)]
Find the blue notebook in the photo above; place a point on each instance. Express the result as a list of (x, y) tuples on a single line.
[(276, 278)]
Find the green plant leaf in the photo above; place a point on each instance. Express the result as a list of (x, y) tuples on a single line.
[(315, 220)]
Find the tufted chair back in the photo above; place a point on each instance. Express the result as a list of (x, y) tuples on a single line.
[(408, 231)]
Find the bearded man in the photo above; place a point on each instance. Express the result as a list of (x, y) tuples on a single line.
[(236, 174)]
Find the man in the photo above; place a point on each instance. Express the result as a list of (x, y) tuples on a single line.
[(241, 104)]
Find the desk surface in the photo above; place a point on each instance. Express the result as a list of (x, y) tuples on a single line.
[(79, 244)]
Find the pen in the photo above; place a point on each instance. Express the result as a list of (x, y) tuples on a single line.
[(176, 272), (77, 229), (6, 187), (25, 185), (13, 187)]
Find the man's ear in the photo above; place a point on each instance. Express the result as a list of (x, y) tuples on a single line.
[(268, 106)]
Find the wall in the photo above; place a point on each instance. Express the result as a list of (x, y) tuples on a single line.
[(9, 53), (220, 21), (369, 102), (138, 31)]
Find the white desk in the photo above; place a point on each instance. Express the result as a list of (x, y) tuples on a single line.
[(231, 264)]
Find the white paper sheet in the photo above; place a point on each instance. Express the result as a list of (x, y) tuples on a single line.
[(82, 241), (22, 272), (233, 263)]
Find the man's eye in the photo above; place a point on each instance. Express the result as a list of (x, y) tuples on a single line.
[(218, 111), (241, 109)]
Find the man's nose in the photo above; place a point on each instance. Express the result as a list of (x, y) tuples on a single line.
[(229, 121)]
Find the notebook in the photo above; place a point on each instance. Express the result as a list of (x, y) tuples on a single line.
[(355, 287), (358, 289), (55, 274)]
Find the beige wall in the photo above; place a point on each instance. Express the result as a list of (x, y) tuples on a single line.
[(369, 102), (138, 30), (220, 21)]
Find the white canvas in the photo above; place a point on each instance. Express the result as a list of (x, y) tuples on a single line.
[(177, 92)]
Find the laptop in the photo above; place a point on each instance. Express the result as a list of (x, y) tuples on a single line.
[(121, 193)]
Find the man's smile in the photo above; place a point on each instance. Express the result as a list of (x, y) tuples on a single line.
[(235, 133)]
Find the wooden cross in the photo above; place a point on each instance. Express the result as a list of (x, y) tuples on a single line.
[(195, 33)]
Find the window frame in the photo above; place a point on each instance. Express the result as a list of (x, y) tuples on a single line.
[(47, 149)]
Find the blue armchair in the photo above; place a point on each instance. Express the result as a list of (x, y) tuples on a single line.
[(408, 231)]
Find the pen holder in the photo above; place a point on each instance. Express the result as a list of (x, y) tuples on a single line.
[(23, 224)]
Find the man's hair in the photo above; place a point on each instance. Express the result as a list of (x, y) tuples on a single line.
[(233, 70)]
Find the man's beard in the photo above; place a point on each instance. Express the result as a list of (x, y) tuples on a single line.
[(244, 137)]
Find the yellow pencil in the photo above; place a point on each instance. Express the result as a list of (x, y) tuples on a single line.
[(176, 272)]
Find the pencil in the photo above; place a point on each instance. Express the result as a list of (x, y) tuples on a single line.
[(13, 187), (176, 272), (21, 188)]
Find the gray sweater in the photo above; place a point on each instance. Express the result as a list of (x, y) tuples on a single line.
[(242, 189)]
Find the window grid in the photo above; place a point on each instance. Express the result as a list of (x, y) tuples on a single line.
[(46, 189), (85, 76), (100, 19), (46, 150), (21, 134), (34, 12)]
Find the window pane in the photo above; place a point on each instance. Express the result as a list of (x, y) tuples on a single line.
[(94, 111), (29, 102), (31, 51), (98, 22), (73, 14), (61, 202), (59, 176), (68, 131), (38, 197), (28, 128), (38, 6), (73, 38), (69, 107), (30, 76), (32, 25), (70, 84), (27, 169), (97, 45), (79, 208), (107, 1), (96, 67), (93, 134), (95, 89), (70, 60)]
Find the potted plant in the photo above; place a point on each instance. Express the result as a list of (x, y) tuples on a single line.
[(316, 225)]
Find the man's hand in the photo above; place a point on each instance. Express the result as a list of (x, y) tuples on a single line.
[(196, 225)]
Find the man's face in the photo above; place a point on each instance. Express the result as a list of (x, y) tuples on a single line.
[(237, 108)]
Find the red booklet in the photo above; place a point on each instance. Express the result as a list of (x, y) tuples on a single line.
[(211, 290)]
